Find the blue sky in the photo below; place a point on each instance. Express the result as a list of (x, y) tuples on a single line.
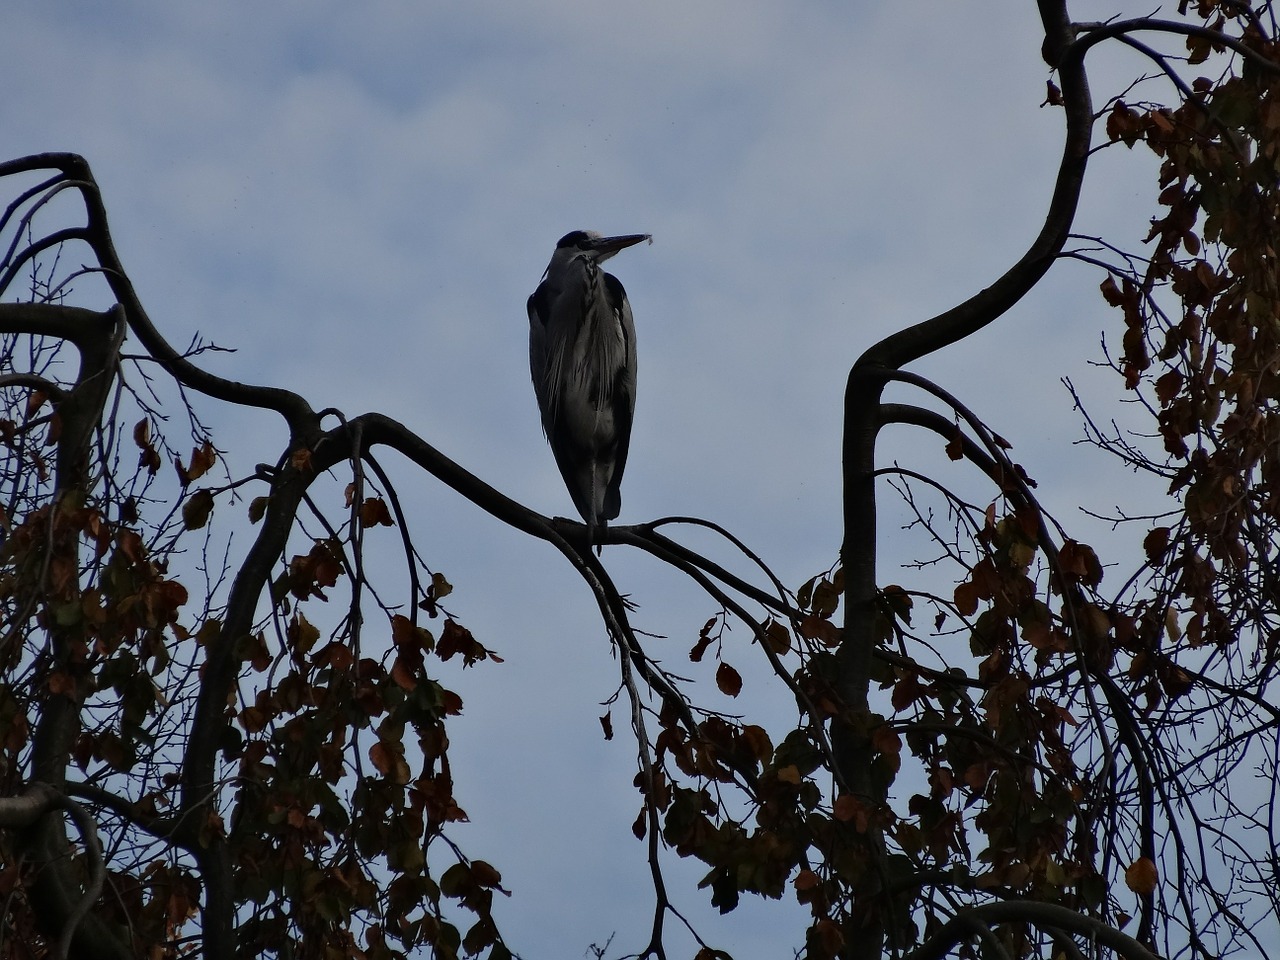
[(360, 197)]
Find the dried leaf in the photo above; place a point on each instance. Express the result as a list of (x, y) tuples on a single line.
[(202, 460), (257, 508), (777, 636), (967, 595), (1141, 876), (806, 880), (374, 513), (728, 680), (195, 512)]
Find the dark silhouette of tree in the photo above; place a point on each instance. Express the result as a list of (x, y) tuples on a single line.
[(197, 755)]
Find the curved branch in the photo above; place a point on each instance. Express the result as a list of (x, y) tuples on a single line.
[(67, 912), (296, 411), (644, 536), (751, 555), (1047, 916), (374, 429), (31, 251), (987, 305), (16, 205), (77, 325), (1093, 34), (162, 828), (378, 429), (35, 382), (862, 419), (978, 454)]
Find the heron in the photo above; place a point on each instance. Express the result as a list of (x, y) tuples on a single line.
[(582, 355)]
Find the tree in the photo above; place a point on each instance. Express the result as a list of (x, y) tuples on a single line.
[(196, 756)]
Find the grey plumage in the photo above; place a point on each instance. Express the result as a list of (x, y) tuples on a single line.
[(582, 355)]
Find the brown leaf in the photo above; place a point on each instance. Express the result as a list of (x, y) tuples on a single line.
[(899, 602), (389, 761), (336, 655), (130, 546), (1079, 562), (1110, 292), (55, 429), (1156, 543), (777, 636), (374, 513), (846, 807), (967, 595), (806, 880), (257, 508), (455, 638), (955, 446), (1123, 124), (1168, 387), (1141, 876), (906, 691), (149, 458), (790, 774), (485, 875), (402, 674), (813, 627), (700, 648), (440, 587), (450, 702), (195, 512), (409, 638), (758, 740), (728, 680), (61, 682), (202, 460), (826, 933), (886, 740)]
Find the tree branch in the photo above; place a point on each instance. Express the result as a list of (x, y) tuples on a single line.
[(67, 907), (1046, 916)]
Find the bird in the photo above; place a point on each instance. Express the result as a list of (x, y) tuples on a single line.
[(582, 357)]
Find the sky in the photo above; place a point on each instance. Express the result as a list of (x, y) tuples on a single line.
[(359, 198)]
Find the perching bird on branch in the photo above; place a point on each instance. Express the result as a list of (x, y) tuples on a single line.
[(582, 354)]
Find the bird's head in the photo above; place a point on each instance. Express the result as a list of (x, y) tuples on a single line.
[(591, 245)]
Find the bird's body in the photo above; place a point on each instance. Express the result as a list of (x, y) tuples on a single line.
[(582, 355)]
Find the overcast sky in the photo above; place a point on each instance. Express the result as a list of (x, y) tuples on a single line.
[(359, 198)]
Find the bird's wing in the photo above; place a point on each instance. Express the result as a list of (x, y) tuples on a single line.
[(539, 310), (623, 398), (574, 468)]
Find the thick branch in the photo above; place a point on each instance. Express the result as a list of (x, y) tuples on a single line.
[(1047, 916), (1093, 34), (863, 418), (987, 305), (296, 411), (64, 906)]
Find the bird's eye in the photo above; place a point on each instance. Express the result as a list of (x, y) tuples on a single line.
[(578, 239)]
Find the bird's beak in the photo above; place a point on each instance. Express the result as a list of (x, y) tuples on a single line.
[(606, 247)]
